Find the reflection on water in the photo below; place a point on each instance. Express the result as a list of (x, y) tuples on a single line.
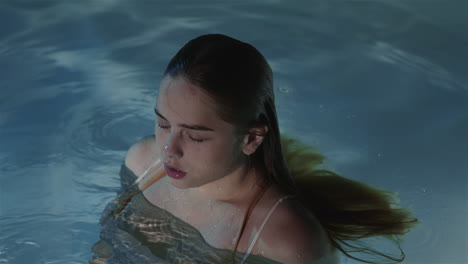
[(355, 79)]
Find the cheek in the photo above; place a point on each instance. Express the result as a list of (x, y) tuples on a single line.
[(160, 140), (160, 134), (203, 156), (211, 165), (216, 156)]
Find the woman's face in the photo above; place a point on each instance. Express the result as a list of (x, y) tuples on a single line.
[(198, 141)]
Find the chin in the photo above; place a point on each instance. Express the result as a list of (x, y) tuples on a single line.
[(186, 183), (181, 183)]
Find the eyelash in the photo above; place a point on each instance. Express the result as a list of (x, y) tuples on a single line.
[(191, 138)]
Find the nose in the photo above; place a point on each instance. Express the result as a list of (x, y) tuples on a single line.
[(172, 148)]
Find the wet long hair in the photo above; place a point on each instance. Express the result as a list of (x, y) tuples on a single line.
[(239, 80)]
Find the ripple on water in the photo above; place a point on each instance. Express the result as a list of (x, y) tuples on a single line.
[(46, 238), (428, 235), (428, 238), (108, 129)]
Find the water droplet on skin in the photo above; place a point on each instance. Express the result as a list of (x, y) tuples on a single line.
[(299, 255)]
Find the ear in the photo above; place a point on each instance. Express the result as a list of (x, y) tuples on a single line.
[(254, 139)]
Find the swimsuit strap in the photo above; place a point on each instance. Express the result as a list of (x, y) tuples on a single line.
[(145, 173), (263, 224), (247, 215), (151, 171)]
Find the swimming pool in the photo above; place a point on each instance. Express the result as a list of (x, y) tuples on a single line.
[(381, 88)]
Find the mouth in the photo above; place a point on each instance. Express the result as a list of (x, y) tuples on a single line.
[(174, 172)]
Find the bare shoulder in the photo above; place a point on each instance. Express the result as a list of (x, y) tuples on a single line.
[(293, 235), (142, 154)]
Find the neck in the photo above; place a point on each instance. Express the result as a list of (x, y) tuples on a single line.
[(234, 188)]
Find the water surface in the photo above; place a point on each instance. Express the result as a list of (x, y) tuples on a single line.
[(380, 87)]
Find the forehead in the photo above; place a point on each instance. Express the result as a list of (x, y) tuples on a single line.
[(183, 102), (177, 88)]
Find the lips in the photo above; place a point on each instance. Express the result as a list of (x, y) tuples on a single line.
[(174, 172)]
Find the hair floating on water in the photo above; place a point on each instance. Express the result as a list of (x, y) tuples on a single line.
[(349, 210)]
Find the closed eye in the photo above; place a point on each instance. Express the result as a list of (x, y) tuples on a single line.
[(191, 138), (163, 127), (196, 140)]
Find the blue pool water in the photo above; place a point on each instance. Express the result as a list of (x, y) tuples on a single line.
[(379, 87)]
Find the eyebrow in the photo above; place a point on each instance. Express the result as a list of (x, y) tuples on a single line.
[(193, 127)]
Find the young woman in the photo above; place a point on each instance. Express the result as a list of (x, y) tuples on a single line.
[(218, 184)]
